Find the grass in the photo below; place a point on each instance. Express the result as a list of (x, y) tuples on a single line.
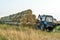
[(8, 32), (3, 37)]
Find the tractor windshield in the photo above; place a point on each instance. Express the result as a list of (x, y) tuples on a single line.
[(49, 19)]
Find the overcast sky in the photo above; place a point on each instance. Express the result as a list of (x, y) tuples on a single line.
[(48, 7)]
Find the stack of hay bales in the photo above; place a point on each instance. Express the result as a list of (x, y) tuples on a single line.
[(20, 15), (28, 18), (24, 17)]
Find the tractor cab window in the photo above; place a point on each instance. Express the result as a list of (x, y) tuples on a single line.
[(49, 19), (43, 18)]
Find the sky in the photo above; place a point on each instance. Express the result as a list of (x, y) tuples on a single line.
[(42, 7)]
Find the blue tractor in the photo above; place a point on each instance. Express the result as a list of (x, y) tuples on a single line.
[(45, 23)]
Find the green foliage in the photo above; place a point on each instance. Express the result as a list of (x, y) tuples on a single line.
[(57, 29)]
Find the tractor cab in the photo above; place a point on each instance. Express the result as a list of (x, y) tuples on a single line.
[(47, 19), (46, 22)]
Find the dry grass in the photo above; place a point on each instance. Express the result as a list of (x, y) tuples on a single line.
[(26, 33)]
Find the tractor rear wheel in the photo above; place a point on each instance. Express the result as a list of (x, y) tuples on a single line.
[(49, 29)]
